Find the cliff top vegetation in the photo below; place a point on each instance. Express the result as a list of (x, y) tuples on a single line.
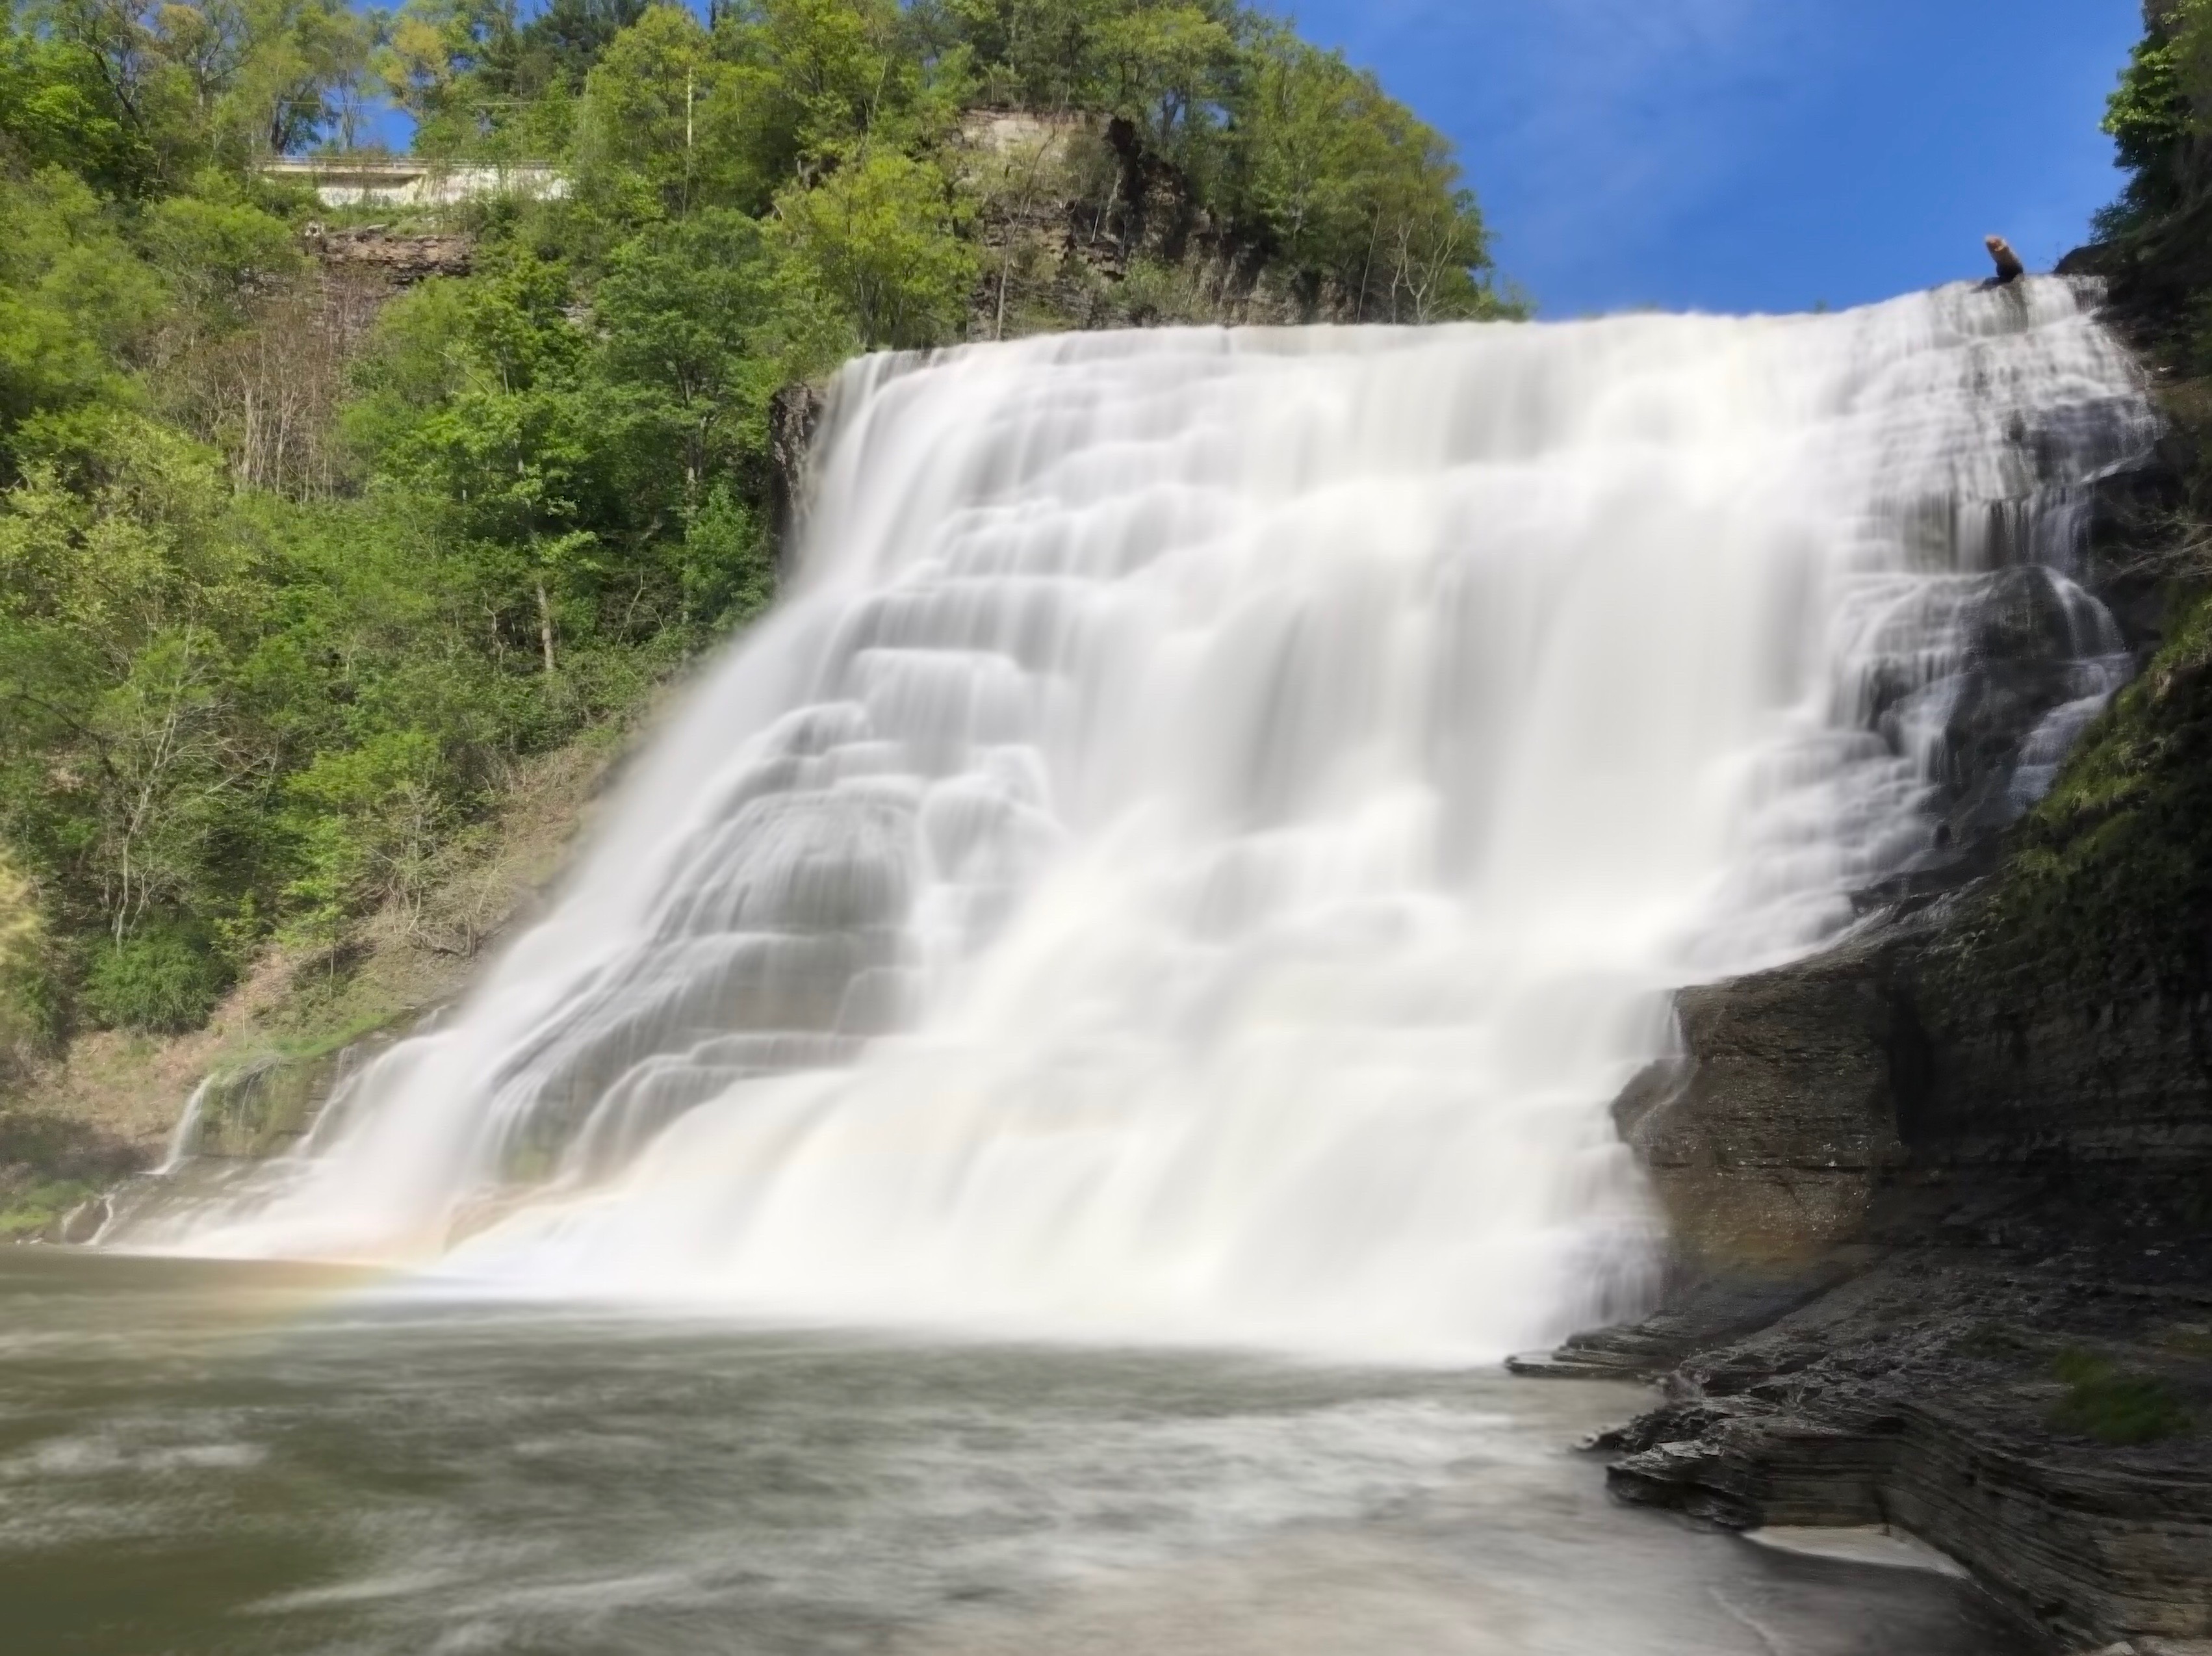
[(300, 568)]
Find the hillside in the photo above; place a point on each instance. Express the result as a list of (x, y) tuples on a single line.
[(340, 543)]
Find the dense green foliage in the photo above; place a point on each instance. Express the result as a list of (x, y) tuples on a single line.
[(293, 571), (2110, 875), (2162, 111)]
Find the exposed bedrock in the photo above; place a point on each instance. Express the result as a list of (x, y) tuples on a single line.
[(1941, 1261), (1766, 1138)]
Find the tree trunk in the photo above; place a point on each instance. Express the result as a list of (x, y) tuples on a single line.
[(545, 624)]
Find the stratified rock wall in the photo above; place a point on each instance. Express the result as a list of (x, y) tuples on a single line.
[(1766, 1140), (2078, 1552), (2045, 1073)]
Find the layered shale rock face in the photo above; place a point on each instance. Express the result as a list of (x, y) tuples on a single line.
[(1766, 1139), (398, 258), (1847, 1098), (1942, 1264), (2102, 1087)]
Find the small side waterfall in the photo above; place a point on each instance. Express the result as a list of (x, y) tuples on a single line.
[(1220, 814), (185, 1137)]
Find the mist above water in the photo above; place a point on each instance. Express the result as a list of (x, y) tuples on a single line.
[(1218, 816)]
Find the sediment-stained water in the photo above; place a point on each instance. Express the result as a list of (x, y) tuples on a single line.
[(228, 1459)]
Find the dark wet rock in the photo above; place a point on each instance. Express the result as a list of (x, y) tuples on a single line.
[(2037, 645), (84, 1221), (794, 414), (1768, 1137), (1921, 1394), (1912, 1193), (265, 1108), (52, 1166)]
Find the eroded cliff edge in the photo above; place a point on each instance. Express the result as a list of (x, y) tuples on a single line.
[(1941, 1197)]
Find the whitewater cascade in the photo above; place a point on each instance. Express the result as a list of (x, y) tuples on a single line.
[(1217, 816)]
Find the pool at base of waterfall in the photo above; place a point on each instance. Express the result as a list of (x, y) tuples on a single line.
[(246, 1457)]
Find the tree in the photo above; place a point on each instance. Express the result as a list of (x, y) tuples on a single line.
[(2159, 116), (832, 72), (75, 304), (58, 108), (682, 306), (1164, 64), (431, 61), (668, 126), (296, 64), (879, 236), (1355, 193)]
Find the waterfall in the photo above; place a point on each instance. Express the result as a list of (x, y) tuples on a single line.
[(1218, 817), (185, 1137)]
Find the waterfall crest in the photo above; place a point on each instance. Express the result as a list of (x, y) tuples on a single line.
[(1217, 818)]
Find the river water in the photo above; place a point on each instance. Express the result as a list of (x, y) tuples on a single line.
[(245, 1457)]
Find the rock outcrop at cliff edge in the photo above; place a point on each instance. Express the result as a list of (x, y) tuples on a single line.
[(1766, 1140), (1944, 1262), (2001, 1340)]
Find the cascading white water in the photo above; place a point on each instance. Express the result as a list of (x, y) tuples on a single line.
[(1216, 819)]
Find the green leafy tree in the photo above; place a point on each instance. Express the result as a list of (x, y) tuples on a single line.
[(1163, 66), (1357, 194), (220, 255), (289, 77), (2159, 116), (683, 308), (667, 126), (58, 109), (829, 72), (76, 306), (880, 238)]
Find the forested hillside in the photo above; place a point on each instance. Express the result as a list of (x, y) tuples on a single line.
[(302, 570)]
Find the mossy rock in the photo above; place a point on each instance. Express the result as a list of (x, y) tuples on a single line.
[(37, 1207), (2109, 879), (49, 1164), (267, 1106), (2115, 1406)]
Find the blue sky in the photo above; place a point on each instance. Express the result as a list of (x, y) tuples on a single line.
[(1755, 154)]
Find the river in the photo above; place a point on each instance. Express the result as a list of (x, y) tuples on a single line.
[(203, 1458)]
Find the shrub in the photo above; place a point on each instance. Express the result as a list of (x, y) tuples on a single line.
[(31, 1212), (159, 982)]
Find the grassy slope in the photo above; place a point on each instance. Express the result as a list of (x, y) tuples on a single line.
[(108, 1104)]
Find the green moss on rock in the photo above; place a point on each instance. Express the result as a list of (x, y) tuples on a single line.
[(2109, 879), (2113, 1406)]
